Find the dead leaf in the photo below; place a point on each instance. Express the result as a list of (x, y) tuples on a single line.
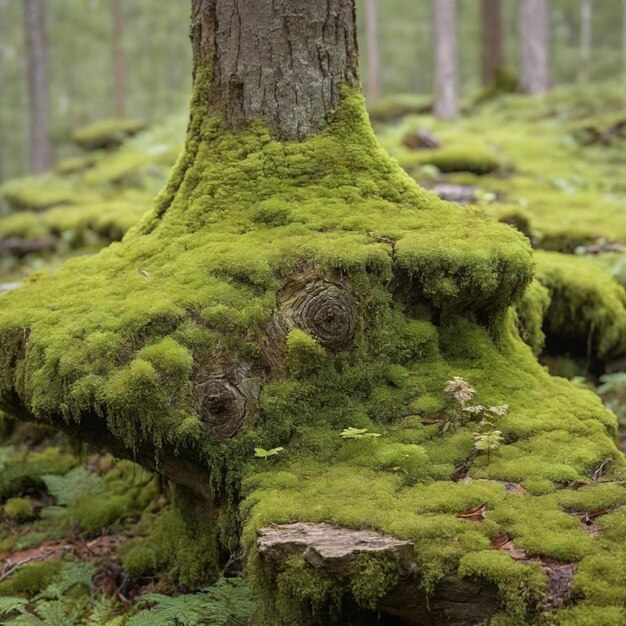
[(477, 515), (514, 488), (504, 542)]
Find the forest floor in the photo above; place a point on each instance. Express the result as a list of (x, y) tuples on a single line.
[(552, 166)]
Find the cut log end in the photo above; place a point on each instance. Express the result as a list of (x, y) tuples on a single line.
[(335, 551)]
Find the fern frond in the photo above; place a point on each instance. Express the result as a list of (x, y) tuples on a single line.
[(227, 603), (73, 575), (75, 484), (10, 605)]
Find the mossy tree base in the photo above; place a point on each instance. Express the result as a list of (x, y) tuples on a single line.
[(283, 291)]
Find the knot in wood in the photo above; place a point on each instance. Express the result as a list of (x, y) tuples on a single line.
[(225, 400), (326, 311)]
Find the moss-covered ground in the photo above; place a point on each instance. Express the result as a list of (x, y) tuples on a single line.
[(439, 292)]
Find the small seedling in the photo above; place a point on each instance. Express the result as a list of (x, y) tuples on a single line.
[(488, 440), (358, 433), (262, 453)]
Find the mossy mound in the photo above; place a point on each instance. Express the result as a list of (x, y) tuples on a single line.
[(396, 107), (587, 307), (36, 193), (570, 195), (89, 201), (107, 134), (314, 285)]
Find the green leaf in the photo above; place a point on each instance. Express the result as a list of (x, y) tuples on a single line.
[(262, 453)]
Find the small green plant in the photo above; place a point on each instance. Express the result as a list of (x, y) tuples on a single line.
[(358, 433), (262, 453), (461, 392), (487, 439)]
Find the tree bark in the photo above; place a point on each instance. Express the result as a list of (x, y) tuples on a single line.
[(534, 45), (37, 76), (492, 50), (279, 61), (373, 51), (119, 58), (446, 60)]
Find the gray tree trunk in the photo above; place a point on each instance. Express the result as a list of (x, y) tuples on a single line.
[(624, 43), (446, 60), (37, 75), (586, 37), (491, 33), (119, 58), (534, 45), (373, 51), (283, 62)]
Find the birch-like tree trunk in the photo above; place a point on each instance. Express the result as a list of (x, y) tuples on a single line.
[(38, 88), (446, 60), (491, 33), (119, 58), (373, 51), (534, 45)]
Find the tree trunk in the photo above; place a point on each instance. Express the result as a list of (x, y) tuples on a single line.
[(534, 45), (446, 60), (586, 35), (491, 32), (279, 61), (373, 51), (37, 72), (119, 58)]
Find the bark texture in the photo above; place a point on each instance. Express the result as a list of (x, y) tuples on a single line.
[(334, 550), (119, 59), (534, 45), (279, 61), (38, 94), (373, 51), (491, 33), (446, 60)]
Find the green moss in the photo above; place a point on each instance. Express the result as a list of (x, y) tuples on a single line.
[(106, 133), (520, 586), (126, 334), (19, 509), (472, 159), (179, 541), (304, 353), (589, 615), (531, 312), (585, 301), (392, 108), (37, 193), (372, 579), (31, 578)]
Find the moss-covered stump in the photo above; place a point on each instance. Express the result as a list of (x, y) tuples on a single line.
[(277, 336)]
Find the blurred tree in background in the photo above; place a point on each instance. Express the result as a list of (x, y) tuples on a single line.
[(111, 58)]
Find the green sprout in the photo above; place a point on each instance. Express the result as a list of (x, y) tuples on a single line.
[(358, 433), (262, 453)]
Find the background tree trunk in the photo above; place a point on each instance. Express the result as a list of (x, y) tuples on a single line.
[(446, 60), (491, 32), (534, 45), (37, 73), (586, 37), (119, 59), (373, 51), (280, 61)]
